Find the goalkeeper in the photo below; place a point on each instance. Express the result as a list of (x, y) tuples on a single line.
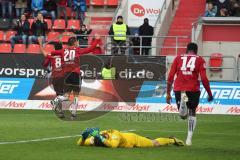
[(115, 139)]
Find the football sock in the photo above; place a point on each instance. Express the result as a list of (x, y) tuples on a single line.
[(165, 141), (183, 104), (75, 105), (191, 126), (61, 98)]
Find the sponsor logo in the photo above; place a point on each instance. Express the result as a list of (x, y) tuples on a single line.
[(45, 105), (15, 88), (22, 72), (14, 104), (201, 109), (170, 108), (135, 107), (223, 93), (139, 11), (234, 110), (7, 87)]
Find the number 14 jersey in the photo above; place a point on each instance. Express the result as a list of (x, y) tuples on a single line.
[(187, 68)]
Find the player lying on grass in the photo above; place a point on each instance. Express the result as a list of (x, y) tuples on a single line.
[(115, 139)]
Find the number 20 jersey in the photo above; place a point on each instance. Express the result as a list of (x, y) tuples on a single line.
[(187, 68), (71, 56)]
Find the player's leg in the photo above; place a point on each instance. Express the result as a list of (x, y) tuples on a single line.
[(73, 81), (181, 101), (76, 90), (143, 141), (58, 84), (192, 120)]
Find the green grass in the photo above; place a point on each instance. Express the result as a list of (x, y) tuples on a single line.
[(216, 137)]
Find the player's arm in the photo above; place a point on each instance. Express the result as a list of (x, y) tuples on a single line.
[(90, 49), (47, 60), (205, 81), (111, 142), (170, 79)]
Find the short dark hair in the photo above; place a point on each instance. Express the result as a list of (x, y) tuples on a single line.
[(58, 46), (119, 17), (98, 142), (71, 41), (192, 47)]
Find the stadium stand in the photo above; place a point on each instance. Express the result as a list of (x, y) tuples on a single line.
[(187, 12), (52, 36), (49, 47), (5, 48), (59, 24), (19, 48), (9, 34), (33, 48)]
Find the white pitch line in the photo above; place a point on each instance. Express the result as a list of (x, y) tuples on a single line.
[(212, 133), (50, 138), (39, 140), (131, 130)]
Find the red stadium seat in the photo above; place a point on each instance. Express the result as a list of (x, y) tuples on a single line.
[(1, 35), (9, 34), (53, 36), (216, 61), (49, 48), (66, 36), (5, 48), (73, 24), (112, 2), (33, 48), (98, 2), (59, 24), (19, 48), (49, 23)]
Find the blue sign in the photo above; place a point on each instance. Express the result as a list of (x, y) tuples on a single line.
[(15, 88), (223, 92)]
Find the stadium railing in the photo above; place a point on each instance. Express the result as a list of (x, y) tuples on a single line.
[(108, 43)]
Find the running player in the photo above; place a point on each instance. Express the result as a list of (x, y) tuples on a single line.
[(115, 139), (71, 58), (187, 68), (55, 63)]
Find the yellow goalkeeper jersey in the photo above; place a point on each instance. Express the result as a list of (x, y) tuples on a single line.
[(116, 139)]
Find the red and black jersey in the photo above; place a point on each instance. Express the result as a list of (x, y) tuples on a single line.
[(187, 68), (71, 56), (56, 63)]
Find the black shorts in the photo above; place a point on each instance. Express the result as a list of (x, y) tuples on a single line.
[(58, 85), (193, 99), (72, 82)]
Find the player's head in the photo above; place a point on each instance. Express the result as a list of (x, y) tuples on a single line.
[(72, 41), (57, 46), (192, 47)]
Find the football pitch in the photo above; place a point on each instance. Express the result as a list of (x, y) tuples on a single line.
[(40, 135)]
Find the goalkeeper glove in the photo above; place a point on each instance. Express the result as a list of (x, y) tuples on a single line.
[(94, 132), (85, 133)]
